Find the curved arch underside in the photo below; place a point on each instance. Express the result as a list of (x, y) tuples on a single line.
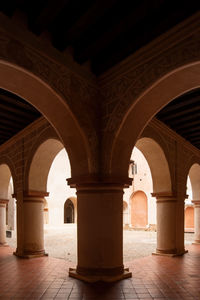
[(41, 163), (5, 176), (194, 175), (54, 109), (158, 164)]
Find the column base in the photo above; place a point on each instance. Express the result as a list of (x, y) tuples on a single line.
[(95, 278), (196, 242), (30, 255), (163, 253), (4, 245)]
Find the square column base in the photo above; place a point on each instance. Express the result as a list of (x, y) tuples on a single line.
[(90, 279), (30, 255), (4, 245), (170, 254)]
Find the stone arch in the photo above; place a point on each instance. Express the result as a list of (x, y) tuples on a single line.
[(54, 108), (40, 164), (194, 175), (159, 94), (5, 176), (58, 188), (69, 211), (47, 134), (5, 160), (158, 164), (139, 210)]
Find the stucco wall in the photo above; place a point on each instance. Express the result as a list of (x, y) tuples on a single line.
[(58, 189)]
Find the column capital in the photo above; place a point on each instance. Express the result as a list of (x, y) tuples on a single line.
[(4, 201), (164, 197), (34, 196), (196, 203), (168, 196), (99, 182)]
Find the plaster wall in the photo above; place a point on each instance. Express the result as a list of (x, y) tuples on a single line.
[(189, 218), (11, 225), (142, 181), (58, 189)]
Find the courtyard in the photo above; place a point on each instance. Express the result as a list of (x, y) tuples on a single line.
[(60, 242)]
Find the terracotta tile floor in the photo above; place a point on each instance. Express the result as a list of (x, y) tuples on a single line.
[(154, 277)]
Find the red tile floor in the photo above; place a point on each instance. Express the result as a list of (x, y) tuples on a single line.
[(154, 277)]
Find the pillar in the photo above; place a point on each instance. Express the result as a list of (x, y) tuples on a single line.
[(170, 225), (3, 203), (32, 243), (196, 221), (100, 233)]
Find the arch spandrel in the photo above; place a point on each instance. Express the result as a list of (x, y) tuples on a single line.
[(55, 109), (5, 176), (9, 166), (145, 107), (40, 165)]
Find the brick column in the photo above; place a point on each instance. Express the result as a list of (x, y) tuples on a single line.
[(100, 233), (196, 221), (32, 244), (3, 203)]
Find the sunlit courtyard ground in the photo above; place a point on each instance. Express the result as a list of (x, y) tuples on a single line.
[(60, 242)]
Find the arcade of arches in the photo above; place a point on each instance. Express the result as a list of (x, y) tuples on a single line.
[(96, 121)]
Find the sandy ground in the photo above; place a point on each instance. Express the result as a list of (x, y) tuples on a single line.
[(60, 242)]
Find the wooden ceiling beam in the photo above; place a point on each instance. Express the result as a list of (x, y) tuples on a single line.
[(180, 103), (16, 111), (66, 19), (188, 130), (6, 129), (189, 124), (116, 25), (15, 118), (96, 12), (193, 134), (47, 15), (147, 29), (9, 123), (194, 139), (186, 114), (8, 7), (16, 101)]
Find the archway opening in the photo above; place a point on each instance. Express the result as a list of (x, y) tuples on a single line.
[(68, 212), (6, 193), (189, 208), (49, 170), (30, 130), (150, 172), (139, 216), (59, 190), (193, 192)]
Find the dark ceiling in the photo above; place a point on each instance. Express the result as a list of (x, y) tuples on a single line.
[(15, 115), (103, 32), (183, 116), (100, 31)]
